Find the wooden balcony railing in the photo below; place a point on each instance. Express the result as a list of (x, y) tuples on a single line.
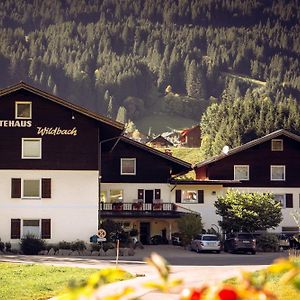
[(126, 206)]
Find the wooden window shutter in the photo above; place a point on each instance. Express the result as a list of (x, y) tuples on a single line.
[(15, 229), (46, 188), (16, 188), (289, 200), (200, 196), (157, 193), (178, 196), (140, 194), (46, 228)]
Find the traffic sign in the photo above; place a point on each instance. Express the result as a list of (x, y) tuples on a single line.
[(101, 233)]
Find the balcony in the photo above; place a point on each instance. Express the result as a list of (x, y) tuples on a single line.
[(129, 209)]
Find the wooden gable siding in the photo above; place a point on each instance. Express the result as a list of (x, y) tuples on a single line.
[(66, 152), (150, 168), (259, 158)]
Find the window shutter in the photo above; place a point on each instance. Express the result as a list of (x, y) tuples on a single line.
[(46, 228), (157, 193), (16, 188), (15, 229), (140, 194), (289, 200), (46, 188), (200, 196), (178, 196)]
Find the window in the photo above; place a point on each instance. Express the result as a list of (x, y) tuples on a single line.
[(31, 188), (23, 110), (31, 227), (103, 196), (116, 196), (286, 200), (278, 173), (31, 148), (241, 172), (189, 196), (128, 166), (277, 145)]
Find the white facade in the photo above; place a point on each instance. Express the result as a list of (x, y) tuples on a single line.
[(72, 208)]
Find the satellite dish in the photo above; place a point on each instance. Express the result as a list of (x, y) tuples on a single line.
[(225, 149)]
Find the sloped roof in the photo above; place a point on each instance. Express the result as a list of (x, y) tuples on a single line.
[(22, 85), (156, 152), (161, 137), (248, 145)]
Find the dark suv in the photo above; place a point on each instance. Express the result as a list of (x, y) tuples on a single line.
[(240, 242)]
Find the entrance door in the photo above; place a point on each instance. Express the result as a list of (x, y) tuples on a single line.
[(145, 233), (149, 196)]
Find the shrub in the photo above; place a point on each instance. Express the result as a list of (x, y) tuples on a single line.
[(78, 245), (133, 232), (31, 245), (1, 246), (64, 245), (267, 242), (107, 246), (8, 246), (95, 247)]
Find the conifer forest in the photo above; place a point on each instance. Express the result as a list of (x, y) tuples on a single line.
[(233, 66)]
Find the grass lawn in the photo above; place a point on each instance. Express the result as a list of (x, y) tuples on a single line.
[(20, 281), (282, 291)]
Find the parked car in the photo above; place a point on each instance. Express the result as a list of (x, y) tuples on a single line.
[(240, 242), (283, 241), (206, 242), (158, 240)]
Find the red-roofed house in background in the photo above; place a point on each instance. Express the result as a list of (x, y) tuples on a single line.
[(191, 137)]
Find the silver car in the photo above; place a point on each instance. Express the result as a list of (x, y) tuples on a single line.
[(206, 242)]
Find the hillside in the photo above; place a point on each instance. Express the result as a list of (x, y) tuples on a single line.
[(151, 57)]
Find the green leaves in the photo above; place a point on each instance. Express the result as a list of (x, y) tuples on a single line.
[(248, 211)]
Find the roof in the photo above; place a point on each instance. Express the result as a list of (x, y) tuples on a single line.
[(249, 145), (188, 130), (157, 138), (202, 182), (80, 109), (156, 152)]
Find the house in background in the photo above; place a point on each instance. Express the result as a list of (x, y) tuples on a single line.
[(160, 142), (191, 137), (49, 166), (136, 190), (267, 164)]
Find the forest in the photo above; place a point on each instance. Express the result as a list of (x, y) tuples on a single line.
[(207, 61)]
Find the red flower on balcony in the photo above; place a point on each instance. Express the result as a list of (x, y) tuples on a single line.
[(137, 206), (157, 206), (117, 206)]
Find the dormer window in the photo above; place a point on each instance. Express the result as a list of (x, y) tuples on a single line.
[(23, 110), (277, 145), (128, 166)]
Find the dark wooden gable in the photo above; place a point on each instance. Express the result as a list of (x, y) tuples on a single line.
[(78, 151), (259, 158), (150, 167)]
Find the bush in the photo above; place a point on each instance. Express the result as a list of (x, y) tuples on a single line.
[(31, 245), (8, 246), (1, 246), (133, 232), (64, 245), (95, 247), (107, 246), (78, 245), (267, 242)]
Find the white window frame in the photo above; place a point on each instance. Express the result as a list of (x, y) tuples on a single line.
[(273, 147), (16, 110), (31, 197), (40, 227), (248, 172), (31, 139), (131, 159), (277, 166), (189, 201)]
